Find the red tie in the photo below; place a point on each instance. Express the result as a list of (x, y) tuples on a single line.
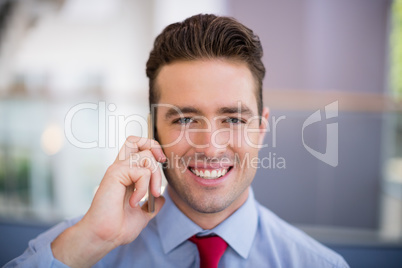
[(211, 249)]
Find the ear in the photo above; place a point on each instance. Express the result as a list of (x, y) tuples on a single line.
[(263, 125)]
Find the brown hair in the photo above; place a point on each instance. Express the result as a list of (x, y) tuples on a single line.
[(206, 37)]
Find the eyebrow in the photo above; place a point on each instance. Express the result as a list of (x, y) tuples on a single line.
[(243, 109), (181, 110)]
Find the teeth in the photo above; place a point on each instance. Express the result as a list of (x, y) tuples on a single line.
[(206, 174), (214, 173)]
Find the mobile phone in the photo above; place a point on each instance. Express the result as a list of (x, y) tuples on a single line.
[(151, 135)]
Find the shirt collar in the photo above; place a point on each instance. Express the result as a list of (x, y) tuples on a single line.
[(238, 230), (173, 226)]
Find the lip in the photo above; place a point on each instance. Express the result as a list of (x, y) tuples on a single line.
[(209, 182)]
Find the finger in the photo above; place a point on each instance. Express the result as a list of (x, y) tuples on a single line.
[(146, 159), (156, 181), (129, 147), (135, 144), (140, 177), (154, 147)]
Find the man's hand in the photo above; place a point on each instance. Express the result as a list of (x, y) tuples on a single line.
[(115, 218)]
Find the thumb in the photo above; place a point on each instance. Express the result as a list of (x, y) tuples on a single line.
[(159, 202)]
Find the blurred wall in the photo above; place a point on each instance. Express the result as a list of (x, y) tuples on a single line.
[(320, 45)]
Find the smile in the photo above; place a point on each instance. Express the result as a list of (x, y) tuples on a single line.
[(208, 173)]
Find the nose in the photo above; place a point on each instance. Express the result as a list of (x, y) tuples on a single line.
[(210, 140)]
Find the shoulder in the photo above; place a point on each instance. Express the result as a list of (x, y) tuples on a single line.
[(38, 253), (293, 245)]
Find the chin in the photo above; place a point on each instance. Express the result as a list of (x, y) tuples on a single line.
[(208, 206)]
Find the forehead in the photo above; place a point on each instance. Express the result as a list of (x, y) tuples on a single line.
[(206, 84)]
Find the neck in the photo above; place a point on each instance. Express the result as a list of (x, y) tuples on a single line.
[(207, 221)]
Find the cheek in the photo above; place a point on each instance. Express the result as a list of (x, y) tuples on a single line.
[(169, 139), (247, 138), (174, 147), (247, 145)]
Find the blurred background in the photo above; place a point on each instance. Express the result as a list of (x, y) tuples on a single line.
[(73, 85)]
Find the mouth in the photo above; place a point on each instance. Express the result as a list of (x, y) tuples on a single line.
[(209, 174)]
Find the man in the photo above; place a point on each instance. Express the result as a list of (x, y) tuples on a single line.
[(206, 84)]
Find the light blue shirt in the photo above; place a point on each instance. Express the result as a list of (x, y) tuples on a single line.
[(256, 238)]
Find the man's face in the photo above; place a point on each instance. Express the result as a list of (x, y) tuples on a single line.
[(208, 125)]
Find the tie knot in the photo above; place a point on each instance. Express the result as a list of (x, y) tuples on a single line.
[(211, 249)]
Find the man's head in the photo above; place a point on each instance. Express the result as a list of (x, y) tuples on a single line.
[(206, 79), (206, 37)]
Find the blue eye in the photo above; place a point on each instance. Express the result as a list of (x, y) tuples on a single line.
[(234, 120), (184, 120)]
